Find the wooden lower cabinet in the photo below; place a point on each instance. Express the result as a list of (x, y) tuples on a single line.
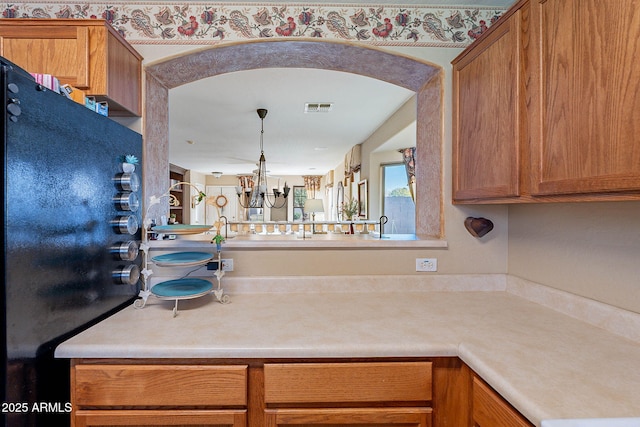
[(412, 392), (491, 410)]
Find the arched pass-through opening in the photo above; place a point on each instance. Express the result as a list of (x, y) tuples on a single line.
[(423, 78)]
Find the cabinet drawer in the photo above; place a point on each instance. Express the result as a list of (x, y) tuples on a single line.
[(159, 385), (347, 382), (364, 417), (167, 417), (491, 410)]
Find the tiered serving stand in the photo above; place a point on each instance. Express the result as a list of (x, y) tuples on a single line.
[(185, 287)]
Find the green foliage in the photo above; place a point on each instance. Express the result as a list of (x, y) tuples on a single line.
[(350, 207), (400, 192)]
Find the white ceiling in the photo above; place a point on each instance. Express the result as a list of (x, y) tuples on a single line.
[(213, 124)]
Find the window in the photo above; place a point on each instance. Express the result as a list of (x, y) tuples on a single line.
[(299, 197), (397, 205)]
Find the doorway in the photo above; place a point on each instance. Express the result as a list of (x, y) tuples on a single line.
[(421, 77)]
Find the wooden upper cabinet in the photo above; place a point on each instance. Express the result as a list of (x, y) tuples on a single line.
[(586, 113), (547, 105), (487, 115), (85, 53)]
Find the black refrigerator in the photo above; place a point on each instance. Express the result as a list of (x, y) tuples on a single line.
[(71, 231)]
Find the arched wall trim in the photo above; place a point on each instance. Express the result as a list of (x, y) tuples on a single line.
[(423, 78)]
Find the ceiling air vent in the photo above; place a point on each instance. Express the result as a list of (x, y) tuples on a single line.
[(317, 107)]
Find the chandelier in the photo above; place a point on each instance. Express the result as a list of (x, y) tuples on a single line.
[(252, 193)]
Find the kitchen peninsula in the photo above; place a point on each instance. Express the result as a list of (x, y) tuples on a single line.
[(547, 364)]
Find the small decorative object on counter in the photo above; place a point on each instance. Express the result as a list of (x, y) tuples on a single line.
[(218, 239), (349, 209)]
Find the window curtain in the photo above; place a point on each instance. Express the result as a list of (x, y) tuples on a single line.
[(409, 159), (245, 181), (352, 162), (312, 184)]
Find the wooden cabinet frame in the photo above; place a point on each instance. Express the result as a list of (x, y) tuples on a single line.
[(447, 402)]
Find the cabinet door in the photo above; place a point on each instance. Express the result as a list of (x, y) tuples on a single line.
[(487, 125), (62, 51), (369, 417), (491, 410), (586, 112), (175, 418)]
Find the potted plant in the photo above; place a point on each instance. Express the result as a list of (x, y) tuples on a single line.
[(129, 163), (349, 209)]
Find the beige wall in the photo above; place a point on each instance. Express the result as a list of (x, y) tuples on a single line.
[(589, 249)]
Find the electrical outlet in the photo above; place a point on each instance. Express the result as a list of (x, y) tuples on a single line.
[(227, 264), (426, 264)]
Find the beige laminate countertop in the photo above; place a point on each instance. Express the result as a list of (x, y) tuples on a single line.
[(547, 364)]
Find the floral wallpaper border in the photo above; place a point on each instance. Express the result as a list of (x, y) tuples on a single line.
[(210, 23)]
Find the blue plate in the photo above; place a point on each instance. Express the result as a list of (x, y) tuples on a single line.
[(182, 288), (184, 259)]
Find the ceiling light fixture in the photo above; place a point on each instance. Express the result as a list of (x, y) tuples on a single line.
[(252, 191)]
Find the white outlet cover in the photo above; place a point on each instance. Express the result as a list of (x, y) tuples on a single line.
[(426, 264)]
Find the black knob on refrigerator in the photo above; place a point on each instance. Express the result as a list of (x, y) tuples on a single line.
[(14, 109)]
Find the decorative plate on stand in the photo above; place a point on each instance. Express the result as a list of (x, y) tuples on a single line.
[(182, 259), (179, 289)]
